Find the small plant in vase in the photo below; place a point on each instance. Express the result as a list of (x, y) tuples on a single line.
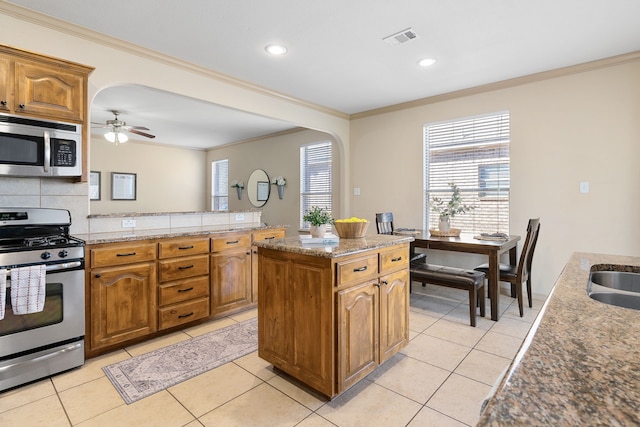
[(318, 218), (447, 210)]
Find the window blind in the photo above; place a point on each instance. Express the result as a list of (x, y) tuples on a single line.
[(315, 177), (473, 153), (220, 185)]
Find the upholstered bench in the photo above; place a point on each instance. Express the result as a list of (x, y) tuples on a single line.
[(459, 278)]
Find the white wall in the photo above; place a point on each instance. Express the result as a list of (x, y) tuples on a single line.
[(168, 179), (277, 156), (582, 127)]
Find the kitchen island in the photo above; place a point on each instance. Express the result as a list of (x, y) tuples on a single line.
[(329, 316), (580, 363)]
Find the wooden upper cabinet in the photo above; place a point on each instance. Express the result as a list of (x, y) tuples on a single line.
[(49, 92), (42, 86)]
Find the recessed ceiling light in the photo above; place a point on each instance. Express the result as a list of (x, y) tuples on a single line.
[(426, 62), (276, 49)]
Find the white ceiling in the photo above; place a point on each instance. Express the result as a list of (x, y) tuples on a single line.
[(337, 58)]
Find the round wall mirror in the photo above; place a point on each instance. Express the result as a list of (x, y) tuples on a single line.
[(258, 188)]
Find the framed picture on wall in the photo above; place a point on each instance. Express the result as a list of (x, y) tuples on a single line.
[(123, 186), (94, 185)]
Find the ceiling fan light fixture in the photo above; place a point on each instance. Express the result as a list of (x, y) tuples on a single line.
[(275, 49), (117, 137)]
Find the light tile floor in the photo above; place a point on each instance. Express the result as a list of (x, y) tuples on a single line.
[(439, 379)]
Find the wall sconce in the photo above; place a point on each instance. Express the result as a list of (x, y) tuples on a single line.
[(238, 185), (280, 182)]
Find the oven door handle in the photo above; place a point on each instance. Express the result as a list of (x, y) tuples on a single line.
[(57, 267), (73, 347)]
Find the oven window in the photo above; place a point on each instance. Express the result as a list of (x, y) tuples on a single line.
[(51, 314)]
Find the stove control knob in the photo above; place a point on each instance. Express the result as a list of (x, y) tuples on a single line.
[(63, 253), (45, 255)]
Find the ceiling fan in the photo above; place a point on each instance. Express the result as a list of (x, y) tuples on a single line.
[(117, 128)]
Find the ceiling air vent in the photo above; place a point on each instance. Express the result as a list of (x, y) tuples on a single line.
[(401, 37)]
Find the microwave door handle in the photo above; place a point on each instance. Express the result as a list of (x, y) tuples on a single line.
[(47, 151)]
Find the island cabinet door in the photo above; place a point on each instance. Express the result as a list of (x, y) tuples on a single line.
[(394, 313), (358, 323)]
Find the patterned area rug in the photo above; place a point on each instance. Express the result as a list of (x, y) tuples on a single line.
[(149, 373)]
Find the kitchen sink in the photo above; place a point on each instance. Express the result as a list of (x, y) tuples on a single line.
[(620, 288)]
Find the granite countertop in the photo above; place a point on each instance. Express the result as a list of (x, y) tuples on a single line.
[(344, 247), (128, 236), (580, 363)]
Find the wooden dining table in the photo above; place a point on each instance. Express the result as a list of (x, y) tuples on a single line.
[(493, 249)]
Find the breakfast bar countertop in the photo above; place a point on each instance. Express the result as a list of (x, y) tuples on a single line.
[(128, 236), (580, 363)]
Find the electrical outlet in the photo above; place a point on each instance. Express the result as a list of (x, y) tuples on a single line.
[(239, 217), (128, 223)]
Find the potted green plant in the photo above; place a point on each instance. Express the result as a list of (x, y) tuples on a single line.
[(447, 210), (318, 218)]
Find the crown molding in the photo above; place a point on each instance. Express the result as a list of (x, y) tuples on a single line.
[(504, 84)]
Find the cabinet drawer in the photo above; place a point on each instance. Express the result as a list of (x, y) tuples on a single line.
[(394, 259), (230, 242), (183, 247), (122, 254), (268, 234), (183, 313), (181, 268), (183, 290), (359, 269)]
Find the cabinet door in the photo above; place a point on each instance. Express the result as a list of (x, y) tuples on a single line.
[(123, 303), (49, 92), (230, 280), (357, 310), (5, 85), (394, 313)]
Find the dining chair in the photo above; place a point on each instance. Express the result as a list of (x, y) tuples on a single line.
[(384, 225), (517, 274)]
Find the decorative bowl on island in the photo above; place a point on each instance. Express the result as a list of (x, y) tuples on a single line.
[(351, 228)]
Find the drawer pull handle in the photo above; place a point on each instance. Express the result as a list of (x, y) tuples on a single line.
[(270, 238), (357, 270), (129, 254), (185, 290), (185, 267), (185, 247), (182, 316), (385, 282), (396, 259), (232, 242)]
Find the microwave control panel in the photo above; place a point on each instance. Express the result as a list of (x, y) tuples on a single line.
[(64, 152)]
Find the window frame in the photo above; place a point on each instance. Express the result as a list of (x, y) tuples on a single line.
[(316, 165), (218, 199), (463, 150)]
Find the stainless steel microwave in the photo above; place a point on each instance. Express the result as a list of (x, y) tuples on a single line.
[(36, 147)]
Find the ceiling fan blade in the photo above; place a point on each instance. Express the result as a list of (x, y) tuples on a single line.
[(99, 125), (138, 127), (148, 135)]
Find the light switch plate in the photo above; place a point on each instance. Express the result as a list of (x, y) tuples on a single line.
[(356, 191), (128, 223), (239, 217), (584, 187)]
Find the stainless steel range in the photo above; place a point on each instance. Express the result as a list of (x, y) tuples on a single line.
[(40, 344)]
